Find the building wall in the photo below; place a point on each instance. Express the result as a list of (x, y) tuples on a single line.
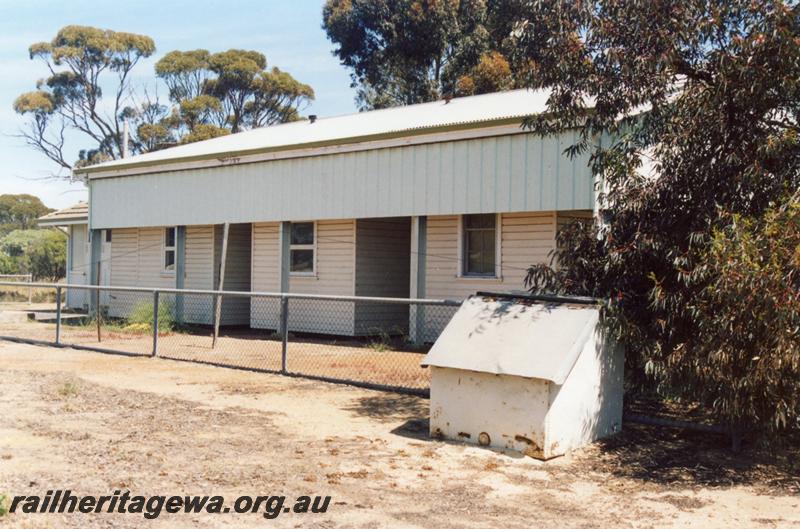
[(511, 410), (199, 274), (265, 275), (525, 239), (510, 173), (382, 270), (335, 265), (235, 310), (78, 273), (588, 405), (137, 256)]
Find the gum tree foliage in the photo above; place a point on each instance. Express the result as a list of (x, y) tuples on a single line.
[(83, 63), (697, 260), (41, 252), (89, 91), (413, 51), (20, 212), (229, 91)]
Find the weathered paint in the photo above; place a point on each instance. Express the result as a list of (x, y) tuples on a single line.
[(588, 405), (363, 258), (136, 260), (199, 273), (510, 410), (513, 173), (532, 415)]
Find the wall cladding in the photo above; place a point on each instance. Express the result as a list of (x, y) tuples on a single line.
[(513, 173)]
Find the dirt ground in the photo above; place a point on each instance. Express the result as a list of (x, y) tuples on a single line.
[(95, 423), (370, 360)]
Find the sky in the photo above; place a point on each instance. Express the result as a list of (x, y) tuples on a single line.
[(289, 33)]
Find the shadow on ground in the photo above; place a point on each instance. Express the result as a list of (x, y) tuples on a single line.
[(672, 456), (390, 407), (651, 454)]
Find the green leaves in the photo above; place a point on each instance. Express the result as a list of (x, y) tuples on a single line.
[(41, 252), (89, 91), (694, 129), (230, 89), (412, 51), (20, 211), (37, 102)]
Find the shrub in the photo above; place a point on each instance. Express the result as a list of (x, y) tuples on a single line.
[(68, 389), (141, 317)]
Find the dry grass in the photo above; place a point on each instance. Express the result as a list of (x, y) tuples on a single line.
[(331, 357), (158, 427)]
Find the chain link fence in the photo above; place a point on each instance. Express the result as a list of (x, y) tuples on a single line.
[(371, 342)]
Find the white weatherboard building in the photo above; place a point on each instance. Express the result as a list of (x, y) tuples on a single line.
[(538, 377), (434, 200), (74, 220)]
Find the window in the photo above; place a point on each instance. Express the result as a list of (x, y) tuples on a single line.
[(108, 235), (479, 245), (169, 249), (301, 249)]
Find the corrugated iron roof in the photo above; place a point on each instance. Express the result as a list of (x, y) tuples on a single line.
[(71, 215), (507, 336), (410, 120)]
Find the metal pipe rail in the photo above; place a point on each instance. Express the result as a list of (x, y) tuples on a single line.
[(29, 278), (241, 293), (367, 341)]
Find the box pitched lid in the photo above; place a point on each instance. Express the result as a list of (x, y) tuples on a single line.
[(512, 336)]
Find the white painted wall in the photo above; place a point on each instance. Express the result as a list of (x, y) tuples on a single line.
[(137, 260), (78, 273), (588, 405), (525, 239), (199, 274), (334, 275), (529, 415), (511, 410)]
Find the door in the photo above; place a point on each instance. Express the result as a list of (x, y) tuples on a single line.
[(78, 272)]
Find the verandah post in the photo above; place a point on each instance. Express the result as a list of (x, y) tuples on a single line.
[(284, 331), (419, 243), (218, 298), (155, 324), (58, 315)]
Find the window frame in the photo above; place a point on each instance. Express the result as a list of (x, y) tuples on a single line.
[(462, 249), (165, 248), (312, 247)]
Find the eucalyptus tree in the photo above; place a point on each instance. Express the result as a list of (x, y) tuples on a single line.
[(89, 91), (82, 62), (697, 258), (412, 51), (231, 90)]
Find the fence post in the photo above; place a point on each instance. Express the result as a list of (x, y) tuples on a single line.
[(58, 315), (30, 289), (284, 330), (155, 323)]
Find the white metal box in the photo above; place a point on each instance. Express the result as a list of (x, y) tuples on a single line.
[(516, 373)]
